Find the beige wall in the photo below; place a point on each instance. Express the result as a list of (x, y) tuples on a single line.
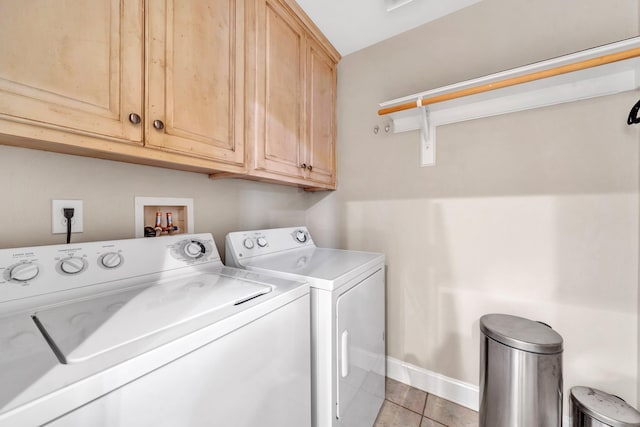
[(534, 213), (30, 179)]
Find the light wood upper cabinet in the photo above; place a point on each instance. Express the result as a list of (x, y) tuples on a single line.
[(225, 87), (72, 73), (195, 82), (279, 98), (291, 97), (321, 114), (72, 65)]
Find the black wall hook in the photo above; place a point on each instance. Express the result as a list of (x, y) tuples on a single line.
[(633, 118)]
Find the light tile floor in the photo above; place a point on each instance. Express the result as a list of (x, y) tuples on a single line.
[(406, 406)]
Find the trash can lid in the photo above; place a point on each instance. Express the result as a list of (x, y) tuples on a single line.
[(604, 407), (522, 334)]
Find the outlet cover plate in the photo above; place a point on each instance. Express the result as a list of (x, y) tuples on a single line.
[(59, 222)]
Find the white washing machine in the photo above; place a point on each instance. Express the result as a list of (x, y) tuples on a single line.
[(347, 317), (149, 332)]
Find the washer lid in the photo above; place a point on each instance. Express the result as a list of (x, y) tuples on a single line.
[(142, 318), (521, 334), (604, 407)]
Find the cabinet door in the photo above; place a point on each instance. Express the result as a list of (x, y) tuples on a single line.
[(321, 114), (72, 65), (195, 81), (279, 99)]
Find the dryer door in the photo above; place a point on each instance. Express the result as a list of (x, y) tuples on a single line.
[(361, 352)]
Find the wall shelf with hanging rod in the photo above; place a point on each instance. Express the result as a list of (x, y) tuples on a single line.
[(603, 70)]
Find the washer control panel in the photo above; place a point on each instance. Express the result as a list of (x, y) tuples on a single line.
[(33, 271), (247, 244)]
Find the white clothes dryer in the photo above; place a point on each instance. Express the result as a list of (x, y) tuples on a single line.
[(347, 317)]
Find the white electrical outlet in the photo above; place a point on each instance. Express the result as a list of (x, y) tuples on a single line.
[(59, 222)]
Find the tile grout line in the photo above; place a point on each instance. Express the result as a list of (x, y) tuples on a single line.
[(424, 413), (424, 408), (404, 407), (421, 414), (404, 402)]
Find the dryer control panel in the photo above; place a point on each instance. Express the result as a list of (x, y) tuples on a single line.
[(247, 244)]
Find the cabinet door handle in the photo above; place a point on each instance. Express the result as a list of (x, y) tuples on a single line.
[(303, 166), (309, 167), (158, 124), (134, 118)]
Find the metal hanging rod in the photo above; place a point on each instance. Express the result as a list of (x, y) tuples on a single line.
[(538, 75)]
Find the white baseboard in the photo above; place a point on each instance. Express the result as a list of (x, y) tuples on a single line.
[(456, 391)]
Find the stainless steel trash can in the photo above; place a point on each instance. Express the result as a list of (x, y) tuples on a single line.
[(520, 373), (594, 408)]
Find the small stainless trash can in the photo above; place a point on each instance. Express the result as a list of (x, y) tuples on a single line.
[(520, 373), (595, 408)]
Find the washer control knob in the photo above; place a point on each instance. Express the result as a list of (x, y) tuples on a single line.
[(248, 243), (262, 242), (111, 260), (301, 236), (193, 249), (23, 272), (72, 265)]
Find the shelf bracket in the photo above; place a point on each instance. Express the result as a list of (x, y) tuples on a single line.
[(427, 138)]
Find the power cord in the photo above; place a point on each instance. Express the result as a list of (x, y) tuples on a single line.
[(68, 214)]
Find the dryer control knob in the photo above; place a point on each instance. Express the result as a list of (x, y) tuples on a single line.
[(111, 260), (248, 243), (194, 249), (23, 272), (72, 265), (262, 242), (301, 236)]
